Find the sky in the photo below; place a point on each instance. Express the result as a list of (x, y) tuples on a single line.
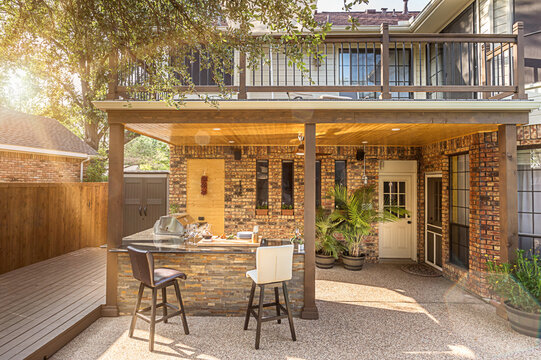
[(336, 5)]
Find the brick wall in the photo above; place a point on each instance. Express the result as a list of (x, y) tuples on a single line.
[(484, 203), (28, 168), (240, 175)]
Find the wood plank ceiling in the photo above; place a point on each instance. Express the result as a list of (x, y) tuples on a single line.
[(286, 134)]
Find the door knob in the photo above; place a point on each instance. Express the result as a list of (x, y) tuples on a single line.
[(140, 208), (409, 221)]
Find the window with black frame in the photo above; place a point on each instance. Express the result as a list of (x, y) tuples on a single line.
[(529, 199), (362, 66), (318, 184), (262, 184), (340, 173), (459, 200), (287, 184)]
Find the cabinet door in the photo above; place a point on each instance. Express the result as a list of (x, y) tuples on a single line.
[(155, 202), (133, 205)]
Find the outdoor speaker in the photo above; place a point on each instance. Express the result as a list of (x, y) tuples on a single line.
[(237, 154), (360, 154)]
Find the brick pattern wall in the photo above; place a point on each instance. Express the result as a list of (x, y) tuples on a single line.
[(240, 182), (484, 204), (216, 283), (33, 168), (529, 135)]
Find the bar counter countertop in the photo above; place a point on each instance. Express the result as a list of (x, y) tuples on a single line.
[(216, 281), (146, 240)]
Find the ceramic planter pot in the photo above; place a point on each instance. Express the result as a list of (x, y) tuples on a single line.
[(523, 322), (354, 263), (324, 261), (287, 212), (261, 211)]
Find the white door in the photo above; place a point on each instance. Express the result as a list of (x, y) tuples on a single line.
[(396, 238)]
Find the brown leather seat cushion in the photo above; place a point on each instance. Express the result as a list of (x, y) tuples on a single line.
[(162, 275)]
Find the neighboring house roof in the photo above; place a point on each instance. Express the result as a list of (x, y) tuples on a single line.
[(22, 130), (368, 17)]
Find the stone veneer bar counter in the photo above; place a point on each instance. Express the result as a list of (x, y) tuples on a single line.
[(216, 283)]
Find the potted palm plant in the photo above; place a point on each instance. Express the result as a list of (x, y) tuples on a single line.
[(328, 248), (356, 215), (519, 287)]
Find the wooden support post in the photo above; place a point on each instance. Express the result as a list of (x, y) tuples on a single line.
[(518, 57), (385, 87), (507, 148), (114, 214), (242, 76), (309, 310)]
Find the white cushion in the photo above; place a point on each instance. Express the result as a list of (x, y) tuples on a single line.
[(273, 264)]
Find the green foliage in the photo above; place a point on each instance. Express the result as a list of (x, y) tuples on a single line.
[(520, 284), (174, 208), (326, 242), (287, 206), (356, 214), (148, 153), (96, 170)]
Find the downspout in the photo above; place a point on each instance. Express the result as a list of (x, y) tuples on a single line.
[(82, 167)]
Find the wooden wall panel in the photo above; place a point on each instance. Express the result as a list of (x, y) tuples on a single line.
[(41, 221)]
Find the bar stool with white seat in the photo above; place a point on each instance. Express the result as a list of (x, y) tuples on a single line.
[(274, 267)]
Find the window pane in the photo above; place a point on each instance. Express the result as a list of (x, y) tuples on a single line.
[(287, 184), (262, 184), (340, 173), (318, 184), (459, 206)]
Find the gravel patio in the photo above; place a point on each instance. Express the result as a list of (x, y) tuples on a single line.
[(380, 312)]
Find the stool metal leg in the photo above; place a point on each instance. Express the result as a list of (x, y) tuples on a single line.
[(277, 300), (181, 308), (259, 315), (289, 316), (164, 300), (250, 304), (137, 304), (153, 319)]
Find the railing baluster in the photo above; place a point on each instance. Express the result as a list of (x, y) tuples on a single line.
[(326, 66), (385, 89), (469, 65), (518, 55), (286, 64), (318, 63), (437, 55), (502, 63), (358, 69), (365, 78)]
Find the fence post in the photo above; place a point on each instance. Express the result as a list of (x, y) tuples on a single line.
[(385, 89), (242, 76), (518, 56)]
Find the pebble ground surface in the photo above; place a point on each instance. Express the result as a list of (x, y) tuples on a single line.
[(380, 312)]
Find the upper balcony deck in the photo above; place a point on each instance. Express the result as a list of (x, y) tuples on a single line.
[(364, 66)]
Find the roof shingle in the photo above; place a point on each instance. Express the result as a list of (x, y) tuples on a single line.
[(370, 17), (20, 129)]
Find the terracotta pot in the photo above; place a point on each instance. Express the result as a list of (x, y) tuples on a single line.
[(524, 322), (324, 261), (261, 211), (287, 212), (353, 263)]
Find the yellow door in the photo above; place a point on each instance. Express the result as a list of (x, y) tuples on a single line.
[(211, 205)]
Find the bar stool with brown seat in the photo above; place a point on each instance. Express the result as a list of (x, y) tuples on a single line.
[(142, 263), (274, 267)]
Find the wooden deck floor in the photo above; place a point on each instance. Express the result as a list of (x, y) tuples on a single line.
[(46, 304)]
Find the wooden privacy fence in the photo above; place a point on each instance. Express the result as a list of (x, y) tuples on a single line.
[(41, 221)]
